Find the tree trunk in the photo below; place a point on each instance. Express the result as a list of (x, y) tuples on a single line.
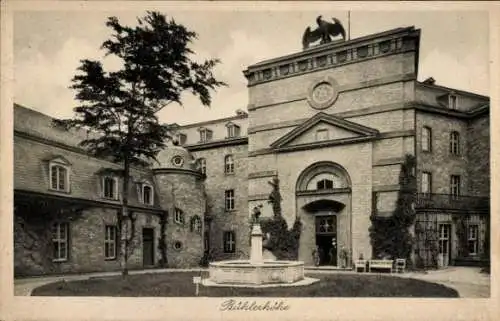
[(124, 218)]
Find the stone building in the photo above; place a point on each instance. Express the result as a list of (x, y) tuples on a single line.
[(334, 123)]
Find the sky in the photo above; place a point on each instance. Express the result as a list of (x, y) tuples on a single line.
[(48, 46)]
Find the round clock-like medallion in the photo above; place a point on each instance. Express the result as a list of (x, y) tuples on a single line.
[(323, 93), (177, 161)]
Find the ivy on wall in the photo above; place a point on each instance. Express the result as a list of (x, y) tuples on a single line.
[(282, 242), (162, 241), (33, 222), (390, 236)]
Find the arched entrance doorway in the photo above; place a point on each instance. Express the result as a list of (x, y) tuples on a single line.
[(323, 198), (325, 227)]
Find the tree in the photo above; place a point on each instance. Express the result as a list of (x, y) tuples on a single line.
[(120, 108), (283, 243), (391, 235)]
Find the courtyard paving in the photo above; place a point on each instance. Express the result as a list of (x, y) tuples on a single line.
[(468, 281)]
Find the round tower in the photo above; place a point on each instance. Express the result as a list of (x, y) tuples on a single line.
[(181, 192)]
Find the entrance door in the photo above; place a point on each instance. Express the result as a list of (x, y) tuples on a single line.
[(148, 241), (326, 239), (444, 244)]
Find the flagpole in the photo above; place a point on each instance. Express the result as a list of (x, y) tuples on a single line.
[(349, 25)]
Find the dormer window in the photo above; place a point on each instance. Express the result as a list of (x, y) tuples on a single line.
[(181, 138), (452, 101), (233, 130), (110, 187), (205, 135), (59, 170)]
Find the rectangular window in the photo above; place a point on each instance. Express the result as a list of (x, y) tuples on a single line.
[(426, 139), (454, 143), (205, 135), (426, 184), (203, 166), (229, 242), (233, 131), (181, 138), (178, 216), (109, 187), (110, 242), (472, 239), (229, 164), (229, 196), (455, 185), (58, 178), (322, 134), (60, 241), (147, 194)]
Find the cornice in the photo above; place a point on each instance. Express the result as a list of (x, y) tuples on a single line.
[(178, 171), (343, 190), (334, 54), (217, 143), (448, 112), (84, 201), (213, 121)]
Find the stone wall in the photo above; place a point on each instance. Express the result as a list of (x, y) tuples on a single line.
[(183, 191), (439, 161), (216, 182), (478, 153), (86, 244)]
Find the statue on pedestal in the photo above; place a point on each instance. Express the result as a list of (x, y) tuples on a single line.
[(256, 214)]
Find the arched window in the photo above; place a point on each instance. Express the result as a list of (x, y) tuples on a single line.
[(229, 164), (195, 225), (455, 143), (323, 176)]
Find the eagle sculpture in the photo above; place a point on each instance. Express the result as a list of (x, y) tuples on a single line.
[(325, 32)]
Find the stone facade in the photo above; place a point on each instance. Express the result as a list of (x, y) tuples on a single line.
[(334, 123)]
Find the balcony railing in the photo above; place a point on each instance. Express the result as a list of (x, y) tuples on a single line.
[(454, 202)]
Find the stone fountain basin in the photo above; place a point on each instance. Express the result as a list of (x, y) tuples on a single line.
[(246, 272)]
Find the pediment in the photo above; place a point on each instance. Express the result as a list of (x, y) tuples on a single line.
[(323, 129), (57, 159)]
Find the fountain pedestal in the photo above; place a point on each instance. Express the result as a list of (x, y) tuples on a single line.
[(256, 245), (256, 271)]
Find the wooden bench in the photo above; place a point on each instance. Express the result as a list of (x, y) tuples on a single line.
[(360, 264), (380, 264)]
